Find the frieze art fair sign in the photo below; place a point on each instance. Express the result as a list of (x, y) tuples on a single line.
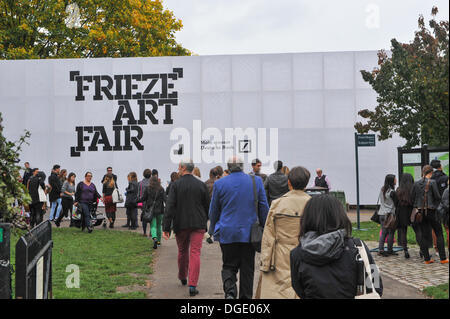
[(158, 95)]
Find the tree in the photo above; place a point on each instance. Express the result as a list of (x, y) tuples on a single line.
[(35, 29), (12, 191), (412, 87)]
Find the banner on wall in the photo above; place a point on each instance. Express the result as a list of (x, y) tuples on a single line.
[(137, 113)]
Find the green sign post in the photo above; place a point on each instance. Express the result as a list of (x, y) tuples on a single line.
[(361, 140)]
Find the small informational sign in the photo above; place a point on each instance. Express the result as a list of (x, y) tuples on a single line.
[(366, 140), (40, 278)]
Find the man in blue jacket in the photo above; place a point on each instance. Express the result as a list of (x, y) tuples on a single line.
[(232, 213)]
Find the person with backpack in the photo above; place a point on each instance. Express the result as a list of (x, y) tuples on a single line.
[(143, 184), (154, 198), (325, 264), (426, 200), (131, 200)]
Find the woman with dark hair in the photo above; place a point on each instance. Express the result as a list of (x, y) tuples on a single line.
[(109, 185), (67, 193), (143, 184), (387, 199), (324, 265), (154, 198), (404, 207), (86, 197), (131, 200), (173, 177)]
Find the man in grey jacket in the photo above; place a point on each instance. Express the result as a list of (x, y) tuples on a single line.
[(276, 184)]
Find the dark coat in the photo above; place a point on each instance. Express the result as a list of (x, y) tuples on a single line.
[(441, 180), (403, 210), (276, 185), (132, 195), (434, 198), (56, 185), (327, 272), (148, 197), (187, 205), (26, 176)]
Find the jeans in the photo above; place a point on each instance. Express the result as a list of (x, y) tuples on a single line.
[(389, 233), (156, 227), (36, 214), (52, 209), (238, 257), (189, 242), (85, 209), (431, 221)]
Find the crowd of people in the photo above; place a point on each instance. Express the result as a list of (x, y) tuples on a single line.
[(306, 244)]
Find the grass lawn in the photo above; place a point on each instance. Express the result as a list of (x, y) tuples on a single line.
[(437, 292), (373, 233), (107, 259)]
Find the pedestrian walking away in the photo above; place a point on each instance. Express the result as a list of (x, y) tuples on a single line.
[(187, 207), (387, 199), (276, 184), (326, 263), (238, 202), (403, 210), (143, 184), (281, 235), (131, 200)]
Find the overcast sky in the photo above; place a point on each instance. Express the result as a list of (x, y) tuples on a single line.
[(214, 27)]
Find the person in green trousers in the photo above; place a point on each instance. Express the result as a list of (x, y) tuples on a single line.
[(154, 199)]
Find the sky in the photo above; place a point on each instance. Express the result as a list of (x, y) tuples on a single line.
[(216, 27)]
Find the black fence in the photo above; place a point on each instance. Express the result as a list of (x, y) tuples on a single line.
[(5, 265), (34, 263)]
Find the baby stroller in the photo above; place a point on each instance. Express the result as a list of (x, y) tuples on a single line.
[(96, 217)]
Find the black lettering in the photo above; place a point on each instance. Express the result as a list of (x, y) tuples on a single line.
[(124, 111), (146, 95), (105, 89)]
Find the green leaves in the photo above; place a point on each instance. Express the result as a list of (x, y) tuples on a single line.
[(11, 189), (412, 87), (34, 29)]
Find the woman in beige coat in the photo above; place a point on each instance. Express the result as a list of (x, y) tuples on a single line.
[(281, 235)]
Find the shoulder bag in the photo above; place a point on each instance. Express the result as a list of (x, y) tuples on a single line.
[(42, 195), (147, 216), (116, 196), (256, 233), (391, 219), (375, 217), (417, 214), (367, 271)]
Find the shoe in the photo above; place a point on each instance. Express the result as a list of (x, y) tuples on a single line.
[(429, 261), (193, 291), (104, 225), (155, 244), (125, 226), (444, 261), (229, 297), (57, 223), (158, 243), (111, 225), (89, 230), (382, 253), (183, 282), (406, 254), (421, 255), (393, 253), (133, 228)]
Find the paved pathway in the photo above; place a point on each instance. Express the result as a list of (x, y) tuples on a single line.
[(402, 278)]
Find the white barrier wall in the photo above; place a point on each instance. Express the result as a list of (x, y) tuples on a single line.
[(78, 112)]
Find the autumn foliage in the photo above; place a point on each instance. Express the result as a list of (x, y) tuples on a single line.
[(36, 29)]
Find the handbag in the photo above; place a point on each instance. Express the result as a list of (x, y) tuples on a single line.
[(390, 222), (42, 195), (147, 215), (256, 232), (417, 214), (116, 196), (363, 254), (375, 217)]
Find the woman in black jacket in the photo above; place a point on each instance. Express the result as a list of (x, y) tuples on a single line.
[(37, 206), (132, 200), (324, 265), (403, 208), (154, 199)]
